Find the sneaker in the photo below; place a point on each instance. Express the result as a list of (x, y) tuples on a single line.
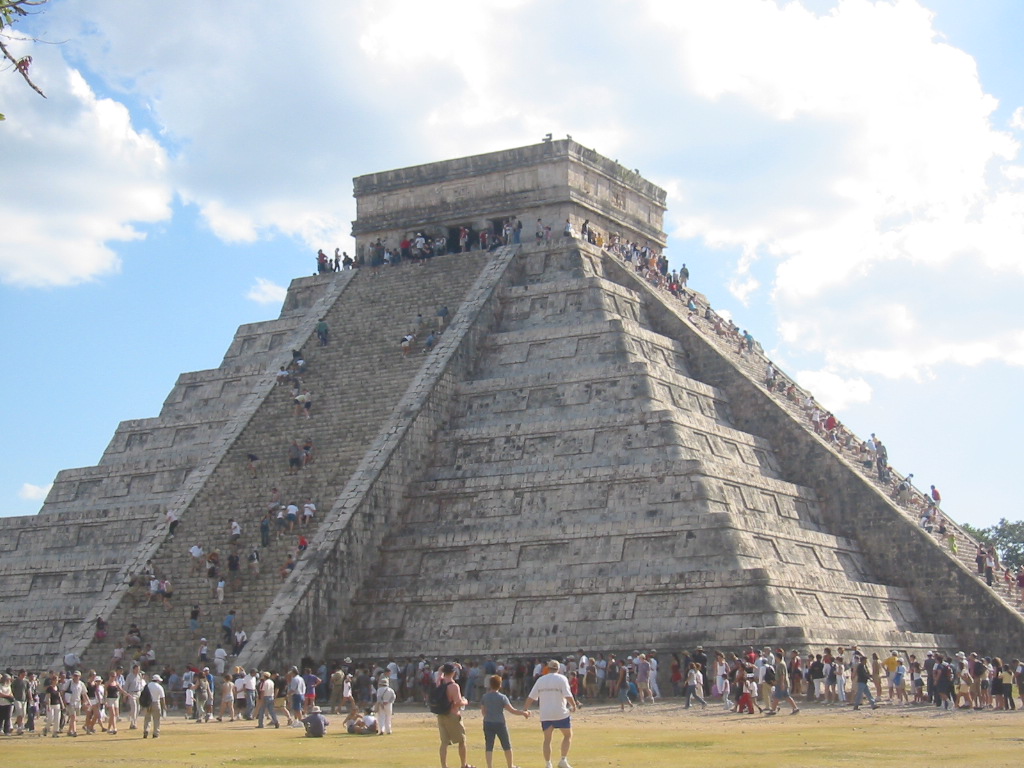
[(145, 735), (795, 710), (547, 764), (563, 763)]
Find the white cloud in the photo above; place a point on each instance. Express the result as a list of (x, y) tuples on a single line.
[(1017, 119), (904, 186), (834, 391), (32, 492), (79, 177), (845, 155), (266, 292)]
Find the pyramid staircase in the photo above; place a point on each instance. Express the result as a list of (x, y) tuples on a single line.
[(355, 380), (596, 490)]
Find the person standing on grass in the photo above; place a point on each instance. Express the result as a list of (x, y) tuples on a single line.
[(695, 685), (780, 689), (494, 705), (862, 675), (156, 708), (385, 705), (447, 702), (553, 693)]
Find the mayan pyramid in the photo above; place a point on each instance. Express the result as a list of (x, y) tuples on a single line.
[(580, 462)]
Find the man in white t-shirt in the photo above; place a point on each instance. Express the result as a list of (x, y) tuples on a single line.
[(556, 703), (157, 707), (220, 659)]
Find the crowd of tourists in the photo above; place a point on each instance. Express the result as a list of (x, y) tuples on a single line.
[(72, 702)]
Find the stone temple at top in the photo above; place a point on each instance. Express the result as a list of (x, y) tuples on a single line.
[(582, 460)]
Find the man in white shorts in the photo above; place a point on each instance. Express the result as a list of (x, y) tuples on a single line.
[(556, 703)]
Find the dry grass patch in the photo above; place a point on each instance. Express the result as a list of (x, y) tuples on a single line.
[(659, 736)]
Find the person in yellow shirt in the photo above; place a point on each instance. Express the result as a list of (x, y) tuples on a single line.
[(890, 665)]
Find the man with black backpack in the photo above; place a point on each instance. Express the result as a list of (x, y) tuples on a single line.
[(446, 701)]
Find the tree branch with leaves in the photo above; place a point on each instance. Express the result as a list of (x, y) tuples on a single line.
[(12, 11)]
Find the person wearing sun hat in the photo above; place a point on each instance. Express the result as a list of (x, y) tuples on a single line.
[(315, 723), (553, 693), (157, 706)]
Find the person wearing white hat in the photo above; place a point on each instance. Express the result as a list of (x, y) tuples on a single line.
[(315, 723), (156, 708), (553, 693), (384, 706)]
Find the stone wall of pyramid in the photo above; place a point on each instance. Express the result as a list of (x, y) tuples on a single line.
[(610, 479), (69, 564), (103, 525)]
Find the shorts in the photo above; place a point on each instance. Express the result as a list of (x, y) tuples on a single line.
[(19, 709), (499, 730), (780, 692), (451, 729), (297, 701), (294, 462), (563, 723)]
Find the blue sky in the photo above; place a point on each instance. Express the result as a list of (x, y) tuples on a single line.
[(845, 178)]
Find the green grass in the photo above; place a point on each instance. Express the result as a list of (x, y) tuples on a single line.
[(662, 736)]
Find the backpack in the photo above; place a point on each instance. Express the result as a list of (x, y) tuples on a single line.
[(145, 696), (769, 674), (439, 702)]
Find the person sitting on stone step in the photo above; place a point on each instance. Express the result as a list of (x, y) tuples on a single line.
[(288, 567), (133, 639)]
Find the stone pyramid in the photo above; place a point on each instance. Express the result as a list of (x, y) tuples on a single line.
[(578, 463), (595, 490)]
